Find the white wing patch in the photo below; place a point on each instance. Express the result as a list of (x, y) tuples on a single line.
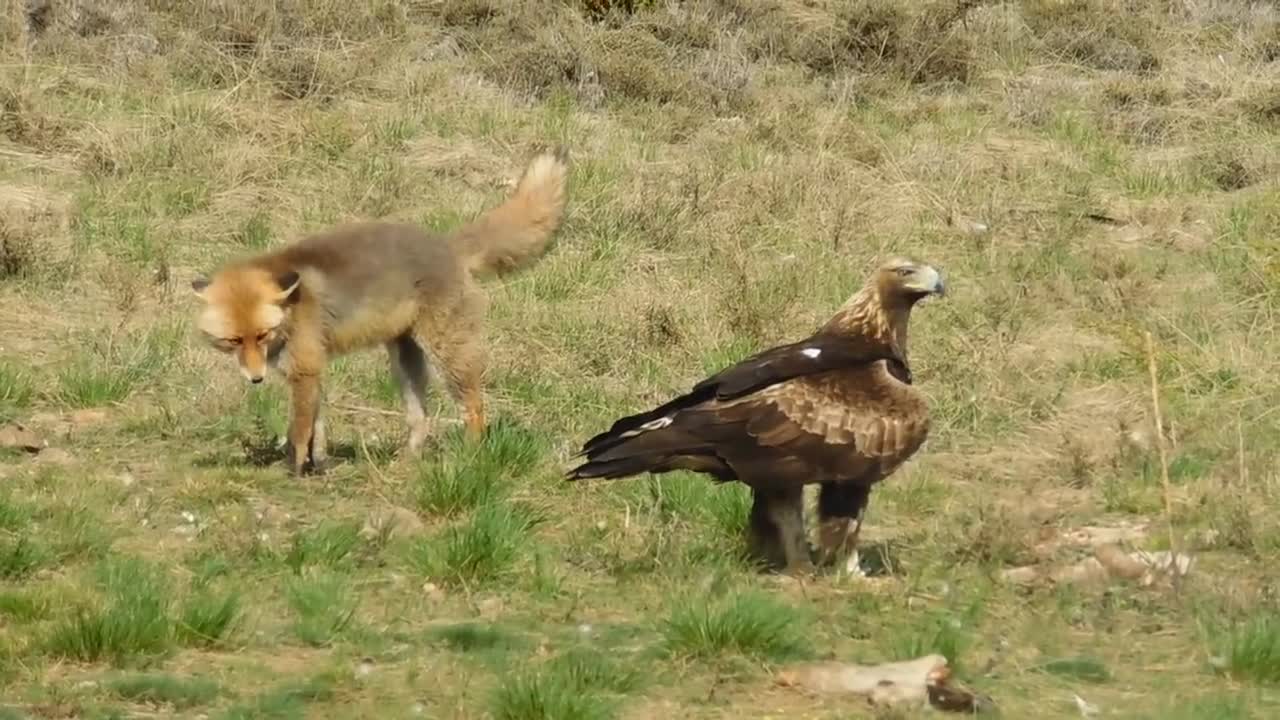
[(651, 425), (811, 352)]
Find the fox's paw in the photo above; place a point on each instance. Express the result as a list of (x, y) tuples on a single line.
[(310, 468)]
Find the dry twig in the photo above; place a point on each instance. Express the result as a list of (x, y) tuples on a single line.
[(1164, 458)]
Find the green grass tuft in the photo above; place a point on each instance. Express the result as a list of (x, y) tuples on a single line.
[(112, 369), (330, 545), (289, 701), (464, 476), (17, 389), (479, 550), (323, 605), (180, 693), (131, 621), (1082, 668), (547, 695), (1250, 650), (749, 623), (472, 637), (208, 619), (594, 669)]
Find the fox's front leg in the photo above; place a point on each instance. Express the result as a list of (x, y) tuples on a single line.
[(304, 389)]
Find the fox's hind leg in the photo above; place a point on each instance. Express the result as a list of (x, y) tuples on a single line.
[(454, 336), (413, 374)]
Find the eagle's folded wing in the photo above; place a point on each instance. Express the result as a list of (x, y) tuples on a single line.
[(817, 354)]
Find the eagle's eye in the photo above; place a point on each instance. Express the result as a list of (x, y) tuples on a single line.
[(903, 271)]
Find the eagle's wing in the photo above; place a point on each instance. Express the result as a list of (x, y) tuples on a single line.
[(847, 425), (819, 353), (840, 425)]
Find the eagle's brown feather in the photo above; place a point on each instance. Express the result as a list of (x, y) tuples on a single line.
[(837, 408)]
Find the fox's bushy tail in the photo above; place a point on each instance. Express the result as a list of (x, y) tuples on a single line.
[(514, 234)]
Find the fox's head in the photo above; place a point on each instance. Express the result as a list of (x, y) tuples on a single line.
[(245, 310)]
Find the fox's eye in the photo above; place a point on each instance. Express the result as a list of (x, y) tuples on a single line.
[(234, 341), (263, 335)]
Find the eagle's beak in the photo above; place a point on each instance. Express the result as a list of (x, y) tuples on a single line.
[(930, 281)]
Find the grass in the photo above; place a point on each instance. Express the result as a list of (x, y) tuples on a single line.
[(462, 478), (1084, 172), (543, 697), (1251, 649), (323, 607), (748, 624), (130, 623), (482, 549), (159, 689)]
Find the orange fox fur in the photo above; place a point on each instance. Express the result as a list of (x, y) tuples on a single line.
[(378, 283)]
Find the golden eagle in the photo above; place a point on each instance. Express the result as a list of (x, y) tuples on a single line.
[(837, 409)]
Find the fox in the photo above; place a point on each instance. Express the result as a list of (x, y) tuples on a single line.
[(363, 284)]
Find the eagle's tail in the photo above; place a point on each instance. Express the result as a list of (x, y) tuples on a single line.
[(613, 469), (658, 446)]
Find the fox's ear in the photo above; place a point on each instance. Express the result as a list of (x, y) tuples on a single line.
[(199, 285), (288, 284)]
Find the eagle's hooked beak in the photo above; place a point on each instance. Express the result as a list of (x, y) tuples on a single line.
[(929, 281)]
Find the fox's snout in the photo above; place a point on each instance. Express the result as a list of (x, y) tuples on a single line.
[(254, 376), (252, 363)]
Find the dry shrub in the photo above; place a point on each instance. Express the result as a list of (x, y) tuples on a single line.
[(995, 535), (527, 49), (469, 13), (634, 64), (19, 252), (1093, 33), (24, 123), (239, 20), (297, 45), (1227, 170), (1263, 108), (82, 18), (602, 9), (307, 72), (920, 43), (536, 50)]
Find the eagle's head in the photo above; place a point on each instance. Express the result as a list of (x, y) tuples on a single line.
[(902, 282)]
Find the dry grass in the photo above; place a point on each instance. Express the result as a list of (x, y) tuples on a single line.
[(1085, 172)]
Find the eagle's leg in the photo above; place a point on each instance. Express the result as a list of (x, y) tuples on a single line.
[(785, 508), (841, 507), (763, 540)]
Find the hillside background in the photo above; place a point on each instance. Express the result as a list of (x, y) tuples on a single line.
[(1084, 172)]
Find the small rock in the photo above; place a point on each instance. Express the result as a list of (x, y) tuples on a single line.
[(57, 456), (395, 521), (126, 479), (432, 591), (81, 418), (364, 668), (20, 437), (490, 606), (1085, 707)]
